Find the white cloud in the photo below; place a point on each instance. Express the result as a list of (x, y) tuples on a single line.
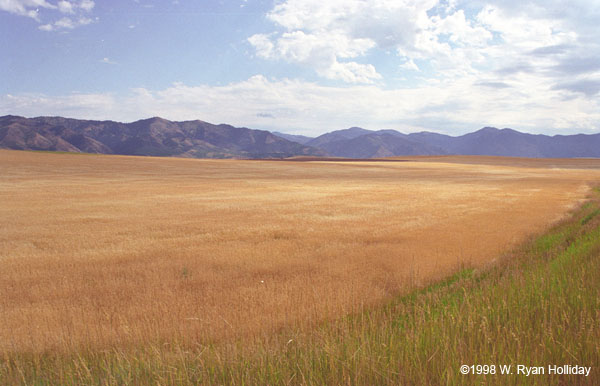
[(29, 8), (321, 52), (451, 106), (54, 19), (523, 32), (542, 47), (65, 6), (263, 45), (108, 61), (409, 64), (73, 105), (86, 5), (544, 50), (66, 23), (351, 72), (326, 34)]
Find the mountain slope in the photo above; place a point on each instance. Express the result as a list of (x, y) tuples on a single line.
[(361, 143), (338, 135), (154, 136), (505, 142), (508, 142), (160, 137), (357, 142), (301, 139), (377, 145)]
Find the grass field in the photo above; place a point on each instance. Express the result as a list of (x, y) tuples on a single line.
[(125, 269)]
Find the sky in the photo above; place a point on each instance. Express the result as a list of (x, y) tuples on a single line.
[(307, 66)]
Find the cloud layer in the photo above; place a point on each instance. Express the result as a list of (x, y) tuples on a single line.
[(308, 108), (514, 43)]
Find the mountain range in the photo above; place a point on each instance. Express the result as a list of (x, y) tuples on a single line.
[(360, 143), (152, 137), (199, 139)]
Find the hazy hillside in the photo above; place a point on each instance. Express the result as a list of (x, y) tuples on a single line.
[(377, 144), (154, 136), (338, 135), (301, 139), (360, 143)]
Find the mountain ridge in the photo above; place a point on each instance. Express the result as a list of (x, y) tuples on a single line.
[(157, 136), (485, 141), (152, 136)]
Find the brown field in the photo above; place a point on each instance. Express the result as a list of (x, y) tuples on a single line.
[(104, 251)]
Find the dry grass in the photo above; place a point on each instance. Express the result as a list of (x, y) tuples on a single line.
[(105, 251)]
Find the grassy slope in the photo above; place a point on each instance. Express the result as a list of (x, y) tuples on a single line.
[(539, 306)]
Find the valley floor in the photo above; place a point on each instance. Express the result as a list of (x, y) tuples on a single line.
[(107, 254)]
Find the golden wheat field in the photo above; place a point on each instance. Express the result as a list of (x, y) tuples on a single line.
[(103, 251)]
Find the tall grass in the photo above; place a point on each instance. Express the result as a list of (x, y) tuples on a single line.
[(539, 306), (103, 252)]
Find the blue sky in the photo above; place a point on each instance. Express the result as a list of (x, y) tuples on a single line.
[(307, 66)]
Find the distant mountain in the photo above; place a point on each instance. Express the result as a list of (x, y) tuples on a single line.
[(357, 142), (508, 142), (154, 136), (337, 135), (360, 143), (160, 137), (377, 145), (301, 139), (435, 139)]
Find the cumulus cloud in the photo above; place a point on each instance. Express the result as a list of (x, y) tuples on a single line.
[(329, 36), (540, 53), (52, 19), (65, 6), (545, 43), (66, 23), (29, 8), (86, 5), (321, 51)]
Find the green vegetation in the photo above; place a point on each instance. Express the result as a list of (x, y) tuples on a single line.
[(590, 216), (539, 306)]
